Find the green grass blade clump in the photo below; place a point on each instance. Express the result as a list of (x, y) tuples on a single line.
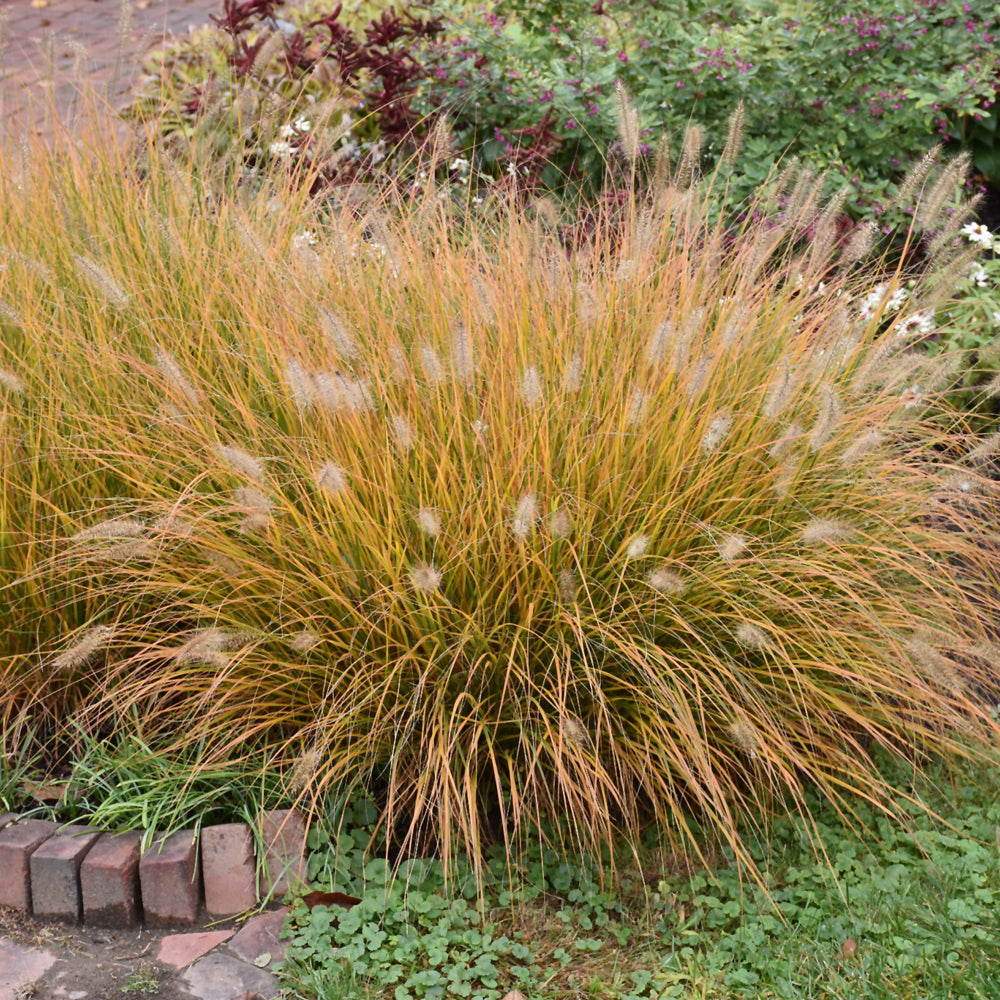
[(667, 528)]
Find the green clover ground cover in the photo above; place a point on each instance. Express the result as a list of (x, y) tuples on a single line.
[(904, 911)]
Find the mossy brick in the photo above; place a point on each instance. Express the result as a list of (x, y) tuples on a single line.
[(228, 868), (283, 834), (55, 873), (170, 881), (109, 882), (17, 843)]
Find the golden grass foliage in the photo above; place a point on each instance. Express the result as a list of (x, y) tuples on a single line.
[(660, 530)]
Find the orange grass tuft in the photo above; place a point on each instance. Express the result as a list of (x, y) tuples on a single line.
[(482, 579)]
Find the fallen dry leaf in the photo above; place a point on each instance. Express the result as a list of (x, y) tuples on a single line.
[(849, 948), (39, 3), (312, 899), (514, 995)]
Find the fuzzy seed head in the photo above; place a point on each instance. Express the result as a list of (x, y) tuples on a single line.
[(308, 764), (115, 527), (935, 667), (300, 384), (85, 649), (864, 445), (586, 303), (784, 477), (560, 523), (637, 546), (665, 581), (174, 375), (568, 586), (207, 645), (987, 448), (860, 243), (751, 637), (429, 522), (783, 445), (425, 578), (732, 547), (826, 420), (820, 530), (304, 640), (242, 462), (331, 478), (698, 378), (338, 333), (257, 509), (716, 433), (573, 377), (779, 394), (403, 434), (627, 119), (101, 280), (10, 315), (431, 363), (11, 382), (659, 340), (532, 391), (462, 357), (745, 737), (734, 136), (636, 408), (574, 731), (523, 522)]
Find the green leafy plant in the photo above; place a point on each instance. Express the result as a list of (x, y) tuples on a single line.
[(142, 979), (834, 87), (971, 323), (126, 784), (903, 909)]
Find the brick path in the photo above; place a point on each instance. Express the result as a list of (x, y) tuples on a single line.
[(54, 44)]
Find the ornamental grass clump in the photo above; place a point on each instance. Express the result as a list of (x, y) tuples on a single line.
[(665, 529)]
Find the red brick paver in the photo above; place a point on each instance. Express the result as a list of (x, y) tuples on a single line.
[(229, 869), (55, 874), (55, 45), (17, 843), (170, 881), (283, 833), (109, 880), (179, 950)]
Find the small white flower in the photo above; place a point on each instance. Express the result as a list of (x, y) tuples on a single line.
[(872, 301), (282, 150), (920, 323), (302, 124), (978, 276), (896, 300), (976, 232), (460, 165), (287, 131), (304, 239)]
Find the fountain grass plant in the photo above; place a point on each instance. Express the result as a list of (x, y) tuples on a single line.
[(668, 527)]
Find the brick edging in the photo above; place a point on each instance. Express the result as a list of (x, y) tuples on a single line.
[(80, 874)]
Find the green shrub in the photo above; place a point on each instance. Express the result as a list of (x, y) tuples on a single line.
[(527, 88), (860, 94), (666, 529)]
